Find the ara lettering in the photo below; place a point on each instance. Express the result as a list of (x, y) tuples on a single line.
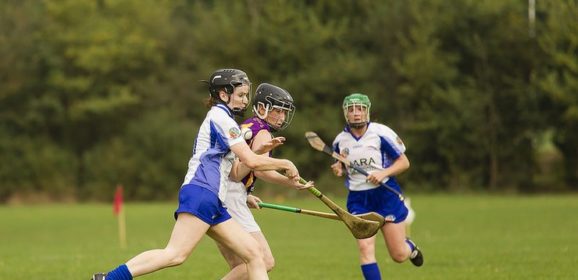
[(363, 162)]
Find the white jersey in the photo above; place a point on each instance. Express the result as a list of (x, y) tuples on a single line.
[(211, 162), (377, 149)]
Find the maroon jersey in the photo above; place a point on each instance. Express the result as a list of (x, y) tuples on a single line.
[(255, 124)]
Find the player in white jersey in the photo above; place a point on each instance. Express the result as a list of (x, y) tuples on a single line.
[(378, 150), (273, 111), (200, 209)]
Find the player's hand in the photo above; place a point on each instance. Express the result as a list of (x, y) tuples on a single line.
[(377, 177), (253, 201), (291, 172), (337, 168), (270, 145), (299, 186)]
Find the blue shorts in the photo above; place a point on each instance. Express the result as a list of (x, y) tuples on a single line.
[(379, 200), (201, 203)]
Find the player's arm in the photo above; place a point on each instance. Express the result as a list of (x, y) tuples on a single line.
[(275, 178), (253, 201), (260, 162), (337, 167), (239, 170), (400, 165), (263, 137)]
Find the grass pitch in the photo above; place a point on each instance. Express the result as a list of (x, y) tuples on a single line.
[(462, 237)]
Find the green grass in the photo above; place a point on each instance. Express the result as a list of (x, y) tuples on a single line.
[(463, 237)]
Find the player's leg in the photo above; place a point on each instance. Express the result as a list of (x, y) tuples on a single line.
[(357, 204), (237, 267), (400, 248), (232, 236), (265, 249), (394, 235), (367, 259), (238, 208), (187, 233), (410, 215), (236, 264)]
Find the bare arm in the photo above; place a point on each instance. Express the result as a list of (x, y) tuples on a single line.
[(239, 170), (262, 137), (275, 178), (258, 162), (400, 165), (337, 168), (253, 201)]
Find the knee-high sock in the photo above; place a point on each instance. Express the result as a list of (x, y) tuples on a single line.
[(371, 271), (119, 273)]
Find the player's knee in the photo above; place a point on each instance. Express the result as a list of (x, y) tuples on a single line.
[(254, 254), (175, 257), (399, 257), (269, 263)]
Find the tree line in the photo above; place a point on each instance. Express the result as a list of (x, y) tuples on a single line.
[(99, 93)]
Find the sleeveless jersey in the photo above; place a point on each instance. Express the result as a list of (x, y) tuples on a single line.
[(255, 124)]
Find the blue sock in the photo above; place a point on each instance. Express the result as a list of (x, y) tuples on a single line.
[(410, 244), (371, 271), (119, 273)]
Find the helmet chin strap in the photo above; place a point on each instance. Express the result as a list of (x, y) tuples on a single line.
[(357, 125), (237, 111)]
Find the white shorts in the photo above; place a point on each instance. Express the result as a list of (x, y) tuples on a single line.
[(236, 204)]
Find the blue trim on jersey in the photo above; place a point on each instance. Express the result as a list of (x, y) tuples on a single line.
[(389, 150), (208, 174), (336, 148), (217, 138), (195, 146), (226, 109), (348, 130)]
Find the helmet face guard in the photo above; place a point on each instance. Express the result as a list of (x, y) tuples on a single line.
[(356, 100), (271, 97), (287, 107)]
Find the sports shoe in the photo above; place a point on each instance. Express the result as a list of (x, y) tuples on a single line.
[(99, 276), (416, 257)]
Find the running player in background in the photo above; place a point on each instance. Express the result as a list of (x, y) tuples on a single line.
[(273, 110), (200, 209), (379, 151)]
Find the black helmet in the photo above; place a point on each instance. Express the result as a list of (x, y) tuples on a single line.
[(228, 79), (270, 97)]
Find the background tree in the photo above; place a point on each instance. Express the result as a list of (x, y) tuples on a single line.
[(558, 79), (99, 93)]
